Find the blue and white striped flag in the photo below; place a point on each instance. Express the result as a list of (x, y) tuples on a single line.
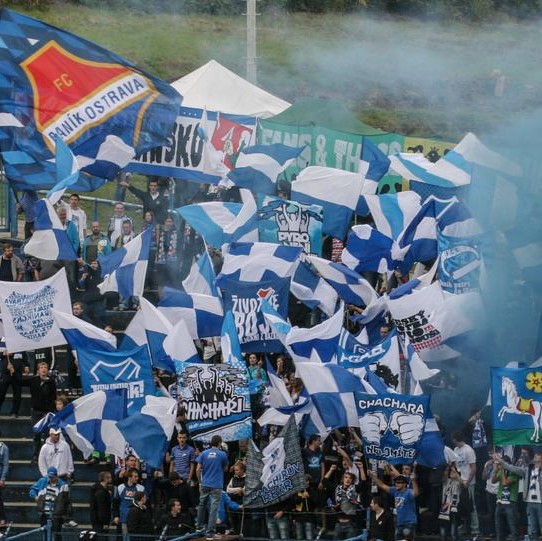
[(91, 421), (49, 240), (393, 212), (79, 333), (124, 270), (331, 388), (318, 343), (179, 345), (157, 328), (67, 171), (201, 278), (349, 285), (312, 290), (258, 167), (335, 190), (258, 261), (149, 431), (203, 314)]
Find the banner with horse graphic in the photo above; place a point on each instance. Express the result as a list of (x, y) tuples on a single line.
[(516, 404)]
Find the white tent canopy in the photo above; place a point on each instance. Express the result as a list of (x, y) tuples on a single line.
[(216, 88)]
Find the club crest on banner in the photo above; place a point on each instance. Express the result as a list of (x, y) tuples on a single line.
[(230, 137), (80, 93), (36, 323)]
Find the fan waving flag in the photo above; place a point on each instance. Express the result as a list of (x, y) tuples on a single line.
[(124, 269), (67, 170), (91, 422), (55, 84), (258, 166)]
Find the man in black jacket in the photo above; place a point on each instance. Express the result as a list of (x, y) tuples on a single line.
[(152, 200), (42, 400), (100, 503), (139, 519)]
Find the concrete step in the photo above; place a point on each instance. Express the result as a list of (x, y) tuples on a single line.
[(15, 491), (27, 512), (24, 470)]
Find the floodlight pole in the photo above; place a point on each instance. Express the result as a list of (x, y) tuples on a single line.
[(251, 42)]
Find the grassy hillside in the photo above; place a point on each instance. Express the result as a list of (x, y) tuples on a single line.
[(410, 77)]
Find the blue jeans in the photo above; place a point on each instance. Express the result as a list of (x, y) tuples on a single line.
[(344, 530), (213, 495), (509, 512), (534, 520), (278, 528), (304, 530)]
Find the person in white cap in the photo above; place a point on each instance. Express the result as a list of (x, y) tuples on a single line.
[(56, 453)]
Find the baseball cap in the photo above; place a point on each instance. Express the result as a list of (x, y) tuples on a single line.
[(52, 472), (54, 431)]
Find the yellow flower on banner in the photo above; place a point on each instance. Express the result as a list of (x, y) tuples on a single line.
[(533, 382)]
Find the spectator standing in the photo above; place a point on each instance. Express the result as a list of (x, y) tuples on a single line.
[(313, 462), (114, 228), (507, 501), (175, 488), (152, 199), (11, 266), (100, 503), (236, 490), (405, 503), (12, 368), (123, 499), (381, 524), (53, 498), (56, 453), (76, 215), (92, 297), (346, 500), (466, 466), (25, 206), (183, 458), (449, 508), (211, 466), (167, 254), (126, 235), (139, 520), (96, 244), (42, 399), (304, 519), (4, 469)]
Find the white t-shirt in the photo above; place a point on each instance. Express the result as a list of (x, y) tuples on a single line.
[(466, 458)]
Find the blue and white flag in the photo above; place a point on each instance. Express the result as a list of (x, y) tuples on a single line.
[(105, 370), (419, 371), (124, 270), (318, 343), (203, 314), (67, 171), (27, 312), (392, 425), (81, 334), (49, 240), (216, 397), (157, 328), (244, 227), (148, 431), (55, 84), (456, 167), (381, 357), (460, 262), (368, 250), (201, 278), (331, 388), (393, 212), (335, 190), (349, 285), (288, 222), (258, 167), (179, 345), (91, 422), (276, 473), (312, 290), (258, 261), (376, 164), (244, 300), (210, 218), (135, 334)]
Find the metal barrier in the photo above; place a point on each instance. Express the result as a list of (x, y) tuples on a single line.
[(37, 534)]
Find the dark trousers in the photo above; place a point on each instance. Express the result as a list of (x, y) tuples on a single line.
[(16, 386)]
